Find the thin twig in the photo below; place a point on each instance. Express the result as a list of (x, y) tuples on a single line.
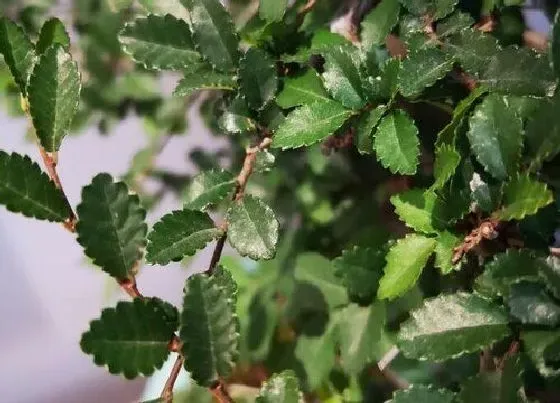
[(167, 393), (220, 393)]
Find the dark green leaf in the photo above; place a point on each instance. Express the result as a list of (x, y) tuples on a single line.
[(436, 8), (258, 77), (396, 143), (252, 228), (52, 32), (236, 118), (111, 227), (523, 196), (204, 79), (360, 270), (451, 325), (530, 304), (178, 234), (54, 93), (280, 388), (422, 394), (305, 89), (214, 32), (18, 52), (543, 132), (536, 343), (209, 329), (342, 76), (365, 128), (550, 272), (208, 188), (272, 10), (133, 337), (421, 69), (25, 189), (454, 24), (473, 49), (379, 23)]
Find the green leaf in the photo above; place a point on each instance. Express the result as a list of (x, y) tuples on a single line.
[(421, 69), (530, 304), (549, 270), (360, 270), (280, 388), (555, 45), (360, 332), (25, 189), (543, 132), (237, 118), (315, 269), (159, 42), (446, 242), (54, 93), (379, 23), (178, 234), (536, 343), (309, 124), (523, 196), (496, 137), (162, 7), (342, 76), (18, 52), (422, 394), (446, 162), (111, 227), (436, 8), (501, 386), (214, 32), (52, 32), (454, 24), (305, 89), (416, 209), (506, 269), (365, 127), (208, 188), (396, 143), (209, 329), (473, 49), (451, 325), (272, 10), (405, 262), (133, 337), (252, 228), (204, 79), (258, 77)]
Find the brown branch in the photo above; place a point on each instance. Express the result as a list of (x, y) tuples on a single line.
[(167, 393), (486, 230), (220, 392)]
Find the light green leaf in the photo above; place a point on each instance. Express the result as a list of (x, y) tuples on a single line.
[(451, 325), (209, 329), (496, 137), (396, 143), (309, 124), (523, 196), (18, 52), (280, 388), (473, 49), (214, 33), (422, 394), (446, 162), (305, 89), (159, 42), (52, 32), (530, 304), (405, 262), (132, 338), (54, 93), (204, 79), (555, 45), (25, 189), (315, 269), (178, 234), (111, 227), (360, 332), (379, 23), (208, 188), (258, 77), (446, 242), (421, 69), (252, 228), (415, 208), (272, 10), (365, 129), (342, 76)]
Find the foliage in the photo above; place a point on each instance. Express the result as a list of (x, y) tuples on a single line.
[(390, 192)]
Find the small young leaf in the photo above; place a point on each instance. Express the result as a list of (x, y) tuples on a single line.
[(360, 332), (25, 189), (379, 23), (111, 227), (178, 234), (132, 338), (421, 69), (280, 388), (447, 161), (495, 134), (422, 394), (18, 52), (555, 45), (208, 329), (365, 127), (52, 32), (473, 49), (360, 270), (305, 89), (252, 228), (214, 32), (451, 325), (258, 77), (446, 242), (415, 208), (396, 143), (405, 262), (272, 10), (159, 42), (342, 76), (207, 188), (204, 79), (309, 124), (530, 304), (523, 196), (54, 93)]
